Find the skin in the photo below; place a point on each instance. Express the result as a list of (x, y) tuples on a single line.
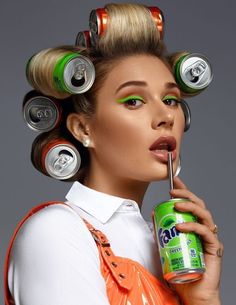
[(122, 164)]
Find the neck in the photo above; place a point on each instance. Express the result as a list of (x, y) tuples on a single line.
[(115, 185)]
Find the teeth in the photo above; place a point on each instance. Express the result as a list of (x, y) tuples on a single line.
[(163, 146)]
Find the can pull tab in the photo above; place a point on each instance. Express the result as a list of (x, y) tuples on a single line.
[(39, 113), (196, 71), (79, 77), (63, 161)]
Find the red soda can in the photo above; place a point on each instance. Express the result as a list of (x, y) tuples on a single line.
[(60, 159), (158, 19), (97, 24), (83, 39)]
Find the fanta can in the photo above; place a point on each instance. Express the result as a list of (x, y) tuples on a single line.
[(181, 253)]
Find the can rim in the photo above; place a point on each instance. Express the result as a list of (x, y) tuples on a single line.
[(189, 84), (73, 151), (25, 112)]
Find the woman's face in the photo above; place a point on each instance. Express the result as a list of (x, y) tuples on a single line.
[(137, 104)]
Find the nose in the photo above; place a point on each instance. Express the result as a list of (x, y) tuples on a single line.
[(163, 116)]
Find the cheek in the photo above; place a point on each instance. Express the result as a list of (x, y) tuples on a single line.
[(118, 133)]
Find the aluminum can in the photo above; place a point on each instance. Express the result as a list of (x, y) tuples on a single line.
[(181, 254), (73, 73), (193, 72), (97, 24), (41, 113), (83, 39), (158, 19), (60, 159)]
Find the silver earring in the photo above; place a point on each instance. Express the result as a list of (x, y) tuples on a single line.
[(86, 142), (178, 169)]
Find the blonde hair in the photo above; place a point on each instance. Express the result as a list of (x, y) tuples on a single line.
[(130, 30)]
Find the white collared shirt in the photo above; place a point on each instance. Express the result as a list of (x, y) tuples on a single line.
[(54, 259)]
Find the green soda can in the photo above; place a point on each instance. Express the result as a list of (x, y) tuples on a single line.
[(193, 73), (73, 73), (181, 253)]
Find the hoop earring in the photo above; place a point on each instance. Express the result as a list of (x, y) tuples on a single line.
[(178, 169)]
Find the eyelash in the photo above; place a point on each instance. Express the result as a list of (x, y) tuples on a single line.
[(171, 98), (129, 99), (166, 100)]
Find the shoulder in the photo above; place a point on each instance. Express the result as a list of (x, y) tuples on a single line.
[(57, 225)]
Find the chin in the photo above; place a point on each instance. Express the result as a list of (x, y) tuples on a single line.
[(161, 172)]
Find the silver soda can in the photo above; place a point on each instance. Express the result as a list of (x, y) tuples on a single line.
[(60, 159), (193, 73), (41, 113), (83, 39), (74, 73)]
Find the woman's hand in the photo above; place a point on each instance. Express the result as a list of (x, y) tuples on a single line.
[(206, 290)]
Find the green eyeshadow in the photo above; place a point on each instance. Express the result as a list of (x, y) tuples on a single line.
[(131, 97)]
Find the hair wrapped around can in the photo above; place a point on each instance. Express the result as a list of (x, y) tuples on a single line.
[(56, 157), (98, 22), (41, 113), (192, 71), (60, 72)]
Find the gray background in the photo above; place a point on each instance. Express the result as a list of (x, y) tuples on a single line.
[(208, 151)]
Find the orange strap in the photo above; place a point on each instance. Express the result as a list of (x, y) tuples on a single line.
[(99, 237)]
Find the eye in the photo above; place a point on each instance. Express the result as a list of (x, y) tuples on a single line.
[(171, 100), (133, 101)]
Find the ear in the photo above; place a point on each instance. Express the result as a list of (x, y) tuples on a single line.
[(78, 125)]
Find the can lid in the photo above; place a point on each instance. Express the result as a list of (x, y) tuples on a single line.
[(83, 39), (195, 72), (79, 75), (40, 113), (62, 161)]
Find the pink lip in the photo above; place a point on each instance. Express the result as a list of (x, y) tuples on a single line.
[(161, 154)]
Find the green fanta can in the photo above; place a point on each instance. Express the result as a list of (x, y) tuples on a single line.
[(181, 254)]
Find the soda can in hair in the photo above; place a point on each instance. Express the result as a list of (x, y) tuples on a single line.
[(73, 73), (97, 24), (193, 73), (83, 39), (158, 19), (40, 112), (60, 159)]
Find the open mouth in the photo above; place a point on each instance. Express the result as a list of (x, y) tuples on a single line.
[(162, 146)]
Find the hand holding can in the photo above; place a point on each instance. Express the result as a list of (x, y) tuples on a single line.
[(181, 253)]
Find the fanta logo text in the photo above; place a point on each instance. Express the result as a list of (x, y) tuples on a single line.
[(166, 235)]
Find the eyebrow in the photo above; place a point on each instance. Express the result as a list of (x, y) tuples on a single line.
[(169, 85)]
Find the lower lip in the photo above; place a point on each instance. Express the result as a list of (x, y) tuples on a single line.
[(162, 155)]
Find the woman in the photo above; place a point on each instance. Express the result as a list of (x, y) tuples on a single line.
[(133, 103)]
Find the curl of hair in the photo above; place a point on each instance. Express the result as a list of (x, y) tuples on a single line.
[(172, 60), (40, 70)]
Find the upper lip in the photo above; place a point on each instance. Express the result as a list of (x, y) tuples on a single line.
[(169, 141)]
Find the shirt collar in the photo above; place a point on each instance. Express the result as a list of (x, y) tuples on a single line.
[(100, 205)]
